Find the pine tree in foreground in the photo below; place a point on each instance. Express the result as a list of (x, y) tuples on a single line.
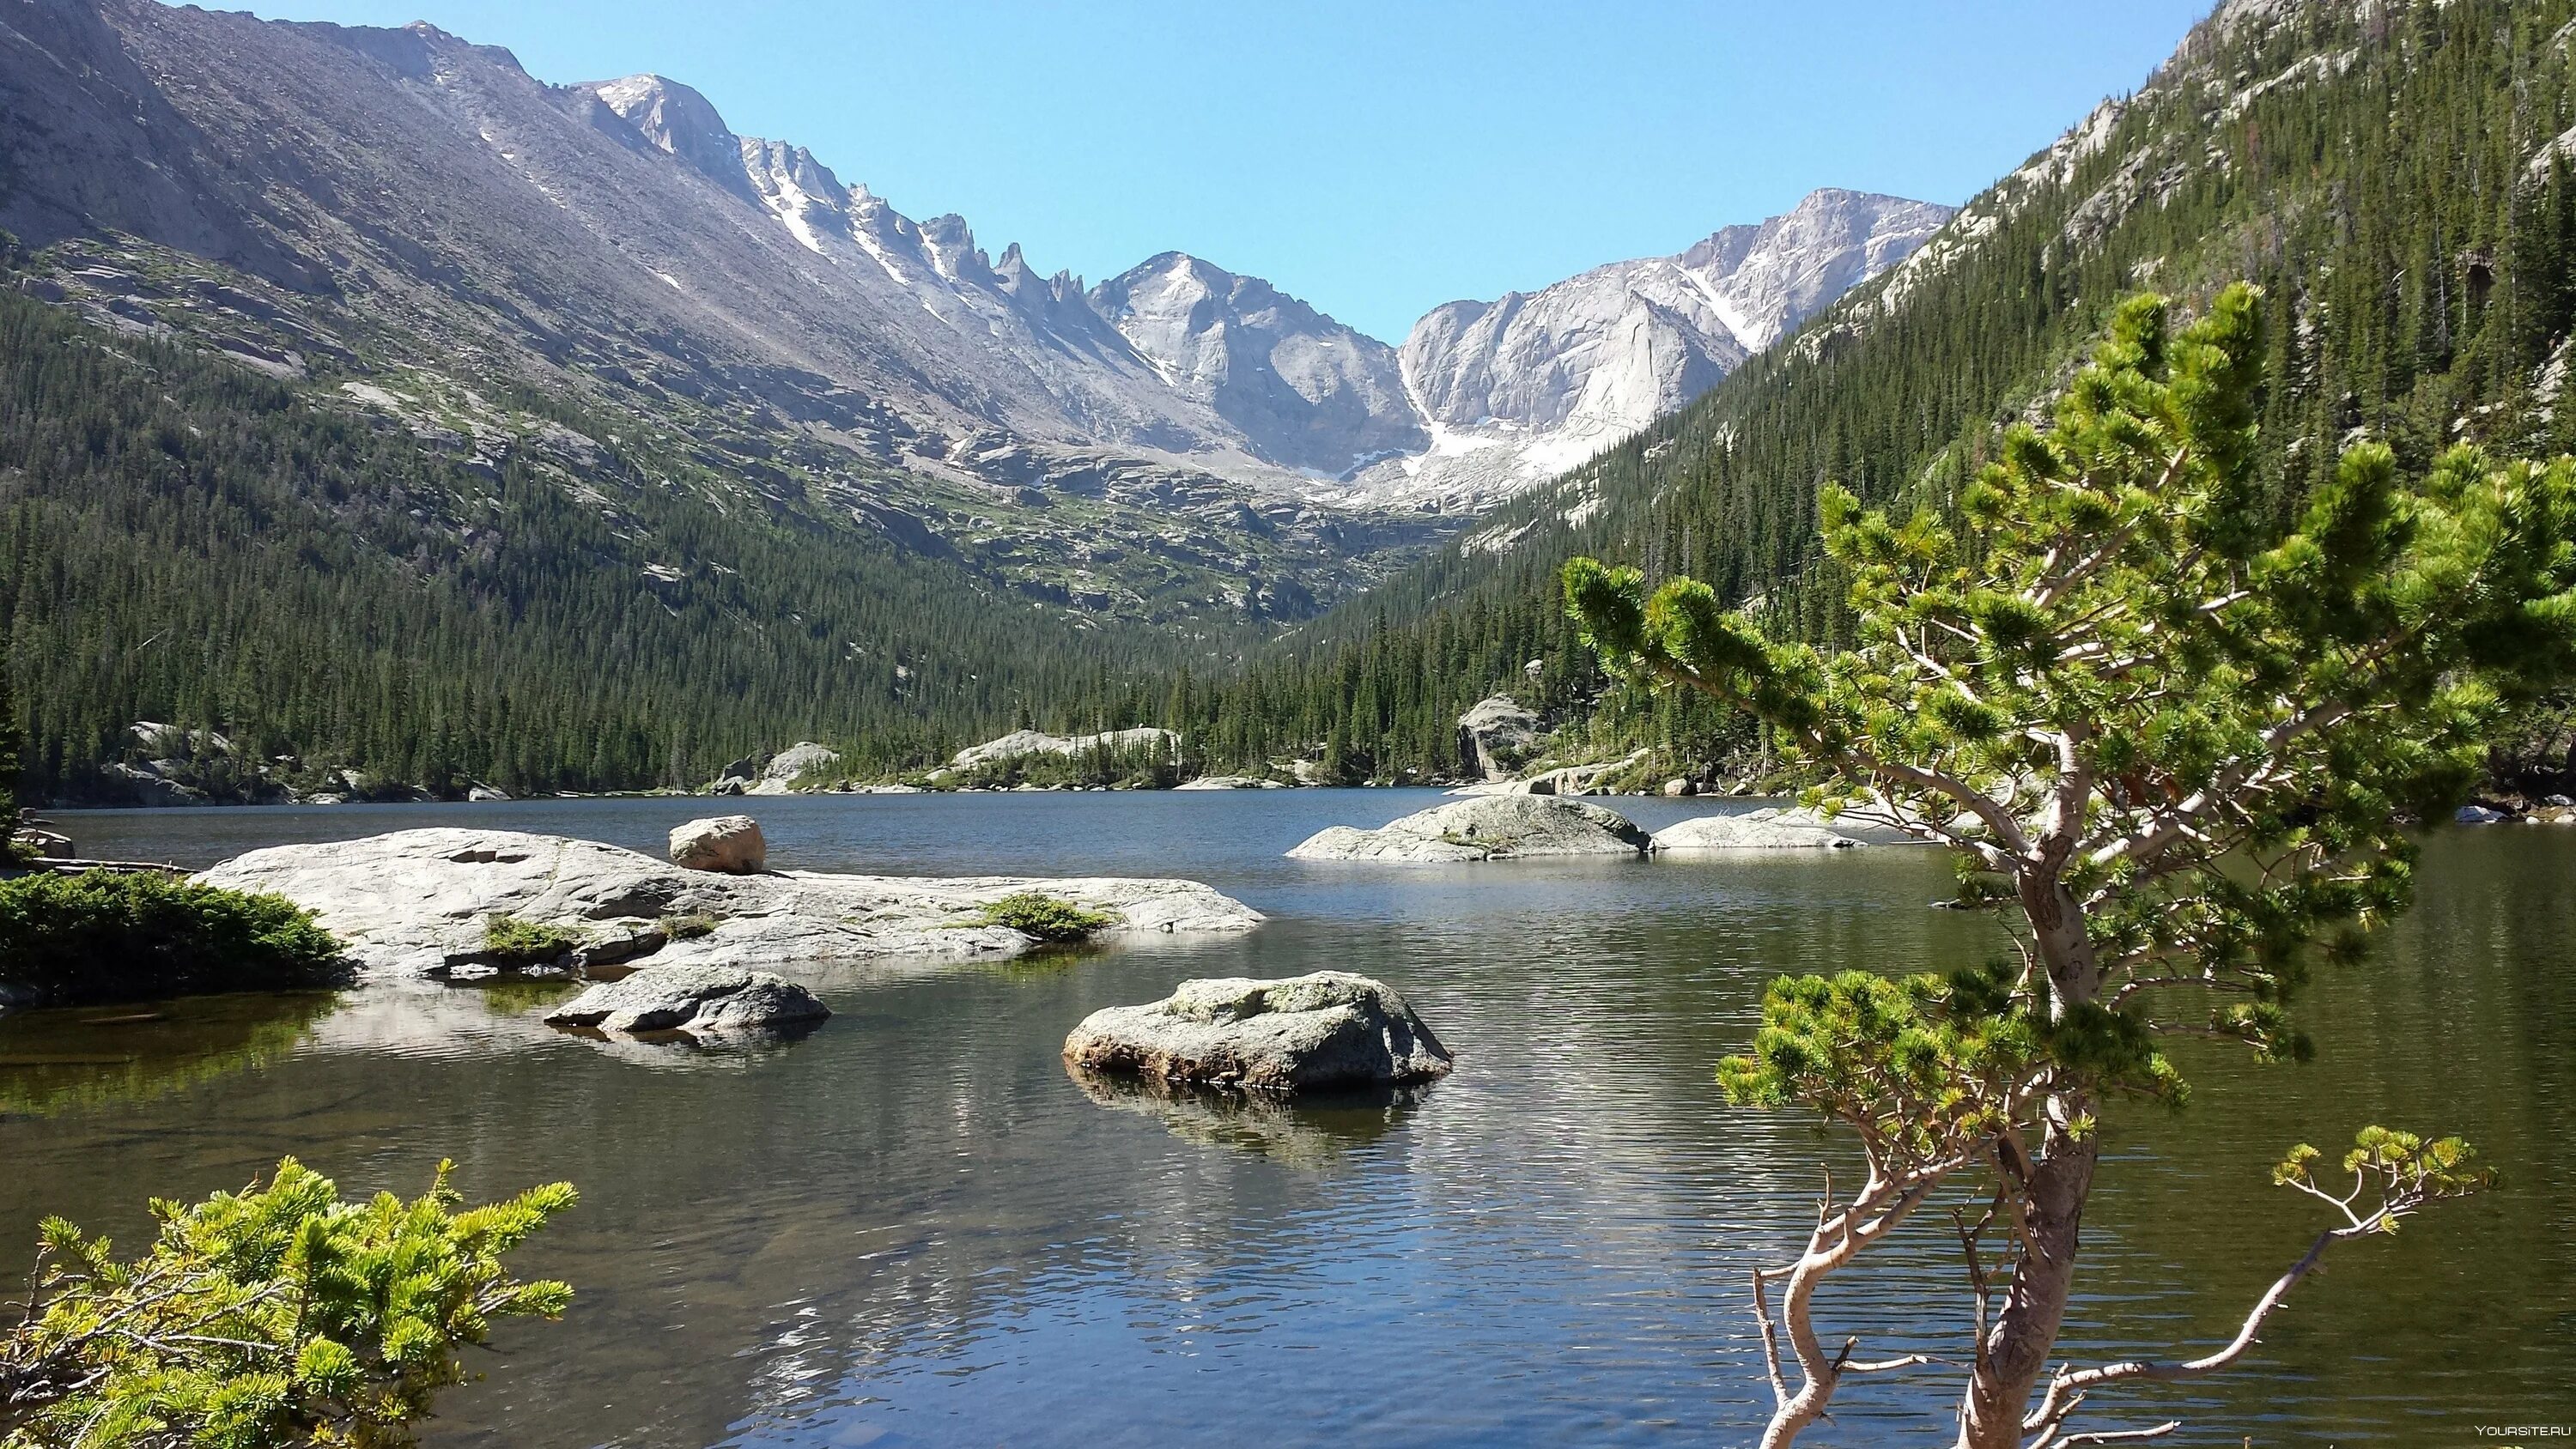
[(280, 1315), (2175, 741)]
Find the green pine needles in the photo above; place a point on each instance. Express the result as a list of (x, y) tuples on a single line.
[(1044, 917), (279, 1315), (2179, 733)]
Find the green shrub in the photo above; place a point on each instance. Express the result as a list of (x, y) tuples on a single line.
[(273, 1317), (1043, 916), (104, 936), (688, 928), (527, 943)]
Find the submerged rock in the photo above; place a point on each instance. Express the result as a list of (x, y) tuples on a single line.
[(729, 843), (695, 999), (1494, 827), (1792, 828), (1327, 1030), (409, 902)]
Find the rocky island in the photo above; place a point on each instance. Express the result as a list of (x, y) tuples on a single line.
[(425, 903), (1495, 827), (1329, 1029)]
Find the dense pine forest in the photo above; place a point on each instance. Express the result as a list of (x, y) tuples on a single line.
[(186, 542), (2389, 174)]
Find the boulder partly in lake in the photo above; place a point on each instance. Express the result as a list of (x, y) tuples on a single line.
[(1494, 827), (1791, 828), (415, 902), (695, 999), (1328, 1030)]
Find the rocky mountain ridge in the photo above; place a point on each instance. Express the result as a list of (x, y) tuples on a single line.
[(1521, 389), (417, 212)]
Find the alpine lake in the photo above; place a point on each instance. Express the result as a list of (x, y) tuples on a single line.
[(912, 1227)]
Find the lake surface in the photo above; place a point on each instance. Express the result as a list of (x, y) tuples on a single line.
[(912, 1228)]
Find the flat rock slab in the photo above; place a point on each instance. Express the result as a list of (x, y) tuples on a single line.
[(1791, 828), (1329, 1030), (408, 902), (694, 999), (1500, 827)]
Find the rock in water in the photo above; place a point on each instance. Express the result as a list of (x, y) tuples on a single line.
[(409, 903), (1330, 1029), (1777, 829), (1495, 827), (728, 843), (694, 999)]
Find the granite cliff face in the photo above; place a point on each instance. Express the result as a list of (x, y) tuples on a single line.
[(1316, 395), (1520, 389)]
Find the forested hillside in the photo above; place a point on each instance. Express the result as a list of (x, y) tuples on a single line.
[(186, 542), (2396, 177)]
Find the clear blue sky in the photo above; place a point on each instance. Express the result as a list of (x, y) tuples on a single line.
[(1376, 157)]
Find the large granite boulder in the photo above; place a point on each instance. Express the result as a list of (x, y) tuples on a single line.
[(789, 765), (1033, 742), (729, 843), (415, 902), (1494, 827), (1776, 828), (1497, 732), (694, 999), (1328, 1030)]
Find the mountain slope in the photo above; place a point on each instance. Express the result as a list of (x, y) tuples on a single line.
[(805, 463), (1523, 388), (2392, 176), (1318, 396)]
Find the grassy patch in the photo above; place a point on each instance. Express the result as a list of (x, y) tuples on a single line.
[(104, 936), (516, 942), (688, 928), (1048, 918)]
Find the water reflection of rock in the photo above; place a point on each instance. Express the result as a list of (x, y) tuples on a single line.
[(51, 1061), (1317, 1129), (684, 1051), (505, 1017)]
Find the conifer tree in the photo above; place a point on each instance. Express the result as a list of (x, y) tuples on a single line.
[(8, 758), (2176, 745)]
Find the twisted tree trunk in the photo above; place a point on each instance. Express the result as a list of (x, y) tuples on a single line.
[(2016, 1351)]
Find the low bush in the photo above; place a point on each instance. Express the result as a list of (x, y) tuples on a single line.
[(277, 1316), (526, 943), (71, 940), (1046, 917), (689, 928)]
